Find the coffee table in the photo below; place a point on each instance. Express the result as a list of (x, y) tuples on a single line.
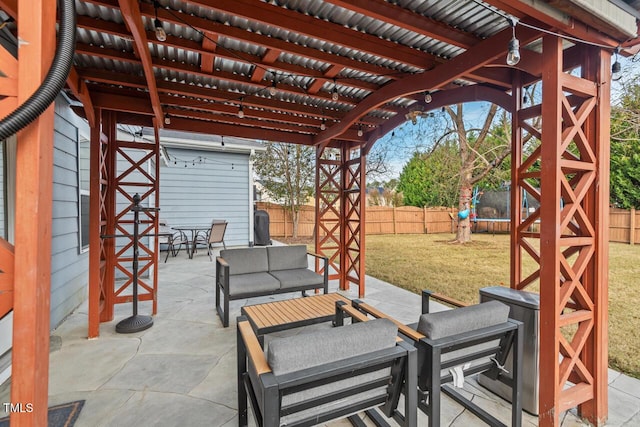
[(292, 313)]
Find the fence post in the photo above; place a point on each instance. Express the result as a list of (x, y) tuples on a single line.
[(424, 218), (393, 212), (632, 226)]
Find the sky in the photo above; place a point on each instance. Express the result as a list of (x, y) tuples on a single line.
[(474, 112)]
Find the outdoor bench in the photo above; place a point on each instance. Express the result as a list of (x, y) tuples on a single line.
[(252, 272)]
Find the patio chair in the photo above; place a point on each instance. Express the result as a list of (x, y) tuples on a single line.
[(456, 343), (172, 238), (315, 377), (214, 235)]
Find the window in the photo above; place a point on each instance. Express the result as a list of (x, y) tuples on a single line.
[(83, 192)]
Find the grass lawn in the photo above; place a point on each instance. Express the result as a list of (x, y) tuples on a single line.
[(428, 261)]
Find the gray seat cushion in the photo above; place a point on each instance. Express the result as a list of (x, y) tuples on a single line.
[(302, 351), (252, 283), (287, 257), (464, 319), (297, 277), (245, 260)]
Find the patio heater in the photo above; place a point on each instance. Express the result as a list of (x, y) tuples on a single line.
[(136, 322)]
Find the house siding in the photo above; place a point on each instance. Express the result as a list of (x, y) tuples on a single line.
[(198, 186), (69, 266)]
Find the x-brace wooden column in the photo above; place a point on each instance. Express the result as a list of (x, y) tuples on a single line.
[(340, 177), (568, 173), (119, 169)]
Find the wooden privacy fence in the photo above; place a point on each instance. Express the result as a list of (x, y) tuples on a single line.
[(624, 225)]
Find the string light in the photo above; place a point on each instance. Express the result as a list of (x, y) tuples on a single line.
[(427, 97), (272, 89), (323, 125), (161, 34), (360, 132), (513, 54), (167, 119), (616, 68), (334, 94), (240, 110)]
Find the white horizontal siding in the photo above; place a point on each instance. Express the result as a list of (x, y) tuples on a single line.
[(216, 188)]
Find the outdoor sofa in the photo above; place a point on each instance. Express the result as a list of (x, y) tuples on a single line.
[(250, 272)]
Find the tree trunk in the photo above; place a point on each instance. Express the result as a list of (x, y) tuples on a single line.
[(295, 218), (464, 213)]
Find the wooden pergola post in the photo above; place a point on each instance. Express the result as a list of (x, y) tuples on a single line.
[(568, 173), (34, 173)]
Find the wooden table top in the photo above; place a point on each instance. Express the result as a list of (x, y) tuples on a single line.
[(291, 311)]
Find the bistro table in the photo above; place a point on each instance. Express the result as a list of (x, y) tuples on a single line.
[(194, 230)]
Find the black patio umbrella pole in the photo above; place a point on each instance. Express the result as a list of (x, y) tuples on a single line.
[(136, 322)]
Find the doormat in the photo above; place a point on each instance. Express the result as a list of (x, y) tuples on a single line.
[(64, 415)]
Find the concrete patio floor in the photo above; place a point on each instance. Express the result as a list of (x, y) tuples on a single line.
[(182, 370)]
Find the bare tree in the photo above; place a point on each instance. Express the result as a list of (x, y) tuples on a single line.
[(287, 172)]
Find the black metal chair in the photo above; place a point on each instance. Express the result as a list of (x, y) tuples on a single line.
[(456, 343), (172, 238), (315, 377)]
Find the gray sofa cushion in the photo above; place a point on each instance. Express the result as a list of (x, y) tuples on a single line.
[(245, 260), (303, 351), (464, 319), (252, 283), (297, 277), (287, 257)]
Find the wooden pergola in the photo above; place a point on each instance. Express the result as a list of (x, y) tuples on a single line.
[(336, 75)]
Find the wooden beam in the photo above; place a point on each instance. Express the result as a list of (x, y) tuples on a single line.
[(118, 55), (114, 100), (33, 210), (132, 17), (202, 24), (563, 23), (484, 53), (81, 91), (207, 55), (215, 95), (412, 21), (268, 59), (10, 7), (332, 72), (330, 32), (208, 127)]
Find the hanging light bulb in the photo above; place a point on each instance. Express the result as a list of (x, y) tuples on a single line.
[(427, 97), (513, 53), (334, 94), (167, 119), (161, 34), (323, 125), (272, 89), (360, 132), (616, 68), (222, 141), (240, 111)]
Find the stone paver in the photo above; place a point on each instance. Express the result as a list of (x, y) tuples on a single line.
[(182, 371)]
